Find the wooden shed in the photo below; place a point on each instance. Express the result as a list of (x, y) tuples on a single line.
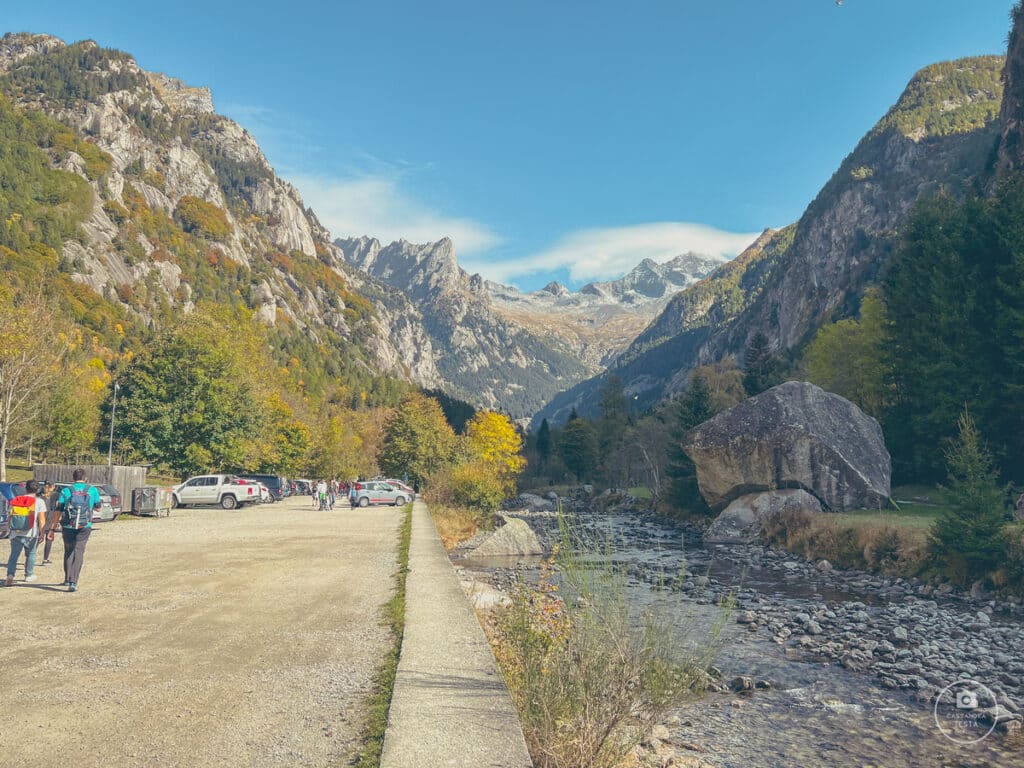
[(125, 479)]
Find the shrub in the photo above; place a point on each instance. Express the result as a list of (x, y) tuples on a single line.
[(457, 524), (590, 672), (203, 218)]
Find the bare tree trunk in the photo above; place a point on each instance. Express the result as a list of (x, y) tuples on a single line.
[(3, 456)]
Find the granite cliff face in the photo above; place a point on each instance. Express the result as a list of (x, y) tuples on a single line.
[(480, 355), (941, 134), (150, 146)]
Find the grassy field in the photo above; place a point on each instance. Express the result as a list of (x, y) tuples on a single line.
[(893, 539)]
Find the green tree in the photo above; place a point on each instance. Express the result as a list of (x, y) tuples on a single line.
[(30, 351), (759, 365), (938, 293), (418, 440), (544, 445), (190, 399), (849, 357), (577, 445), (966, 538), (693, 408), (611, 428)]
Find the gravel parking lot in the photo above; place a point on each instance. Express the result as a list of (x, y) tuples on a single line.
[(215, 638)]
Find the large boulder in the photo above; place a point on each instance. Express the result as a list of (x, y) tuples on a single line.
[(741, 522), (514, 537), (795, 435)]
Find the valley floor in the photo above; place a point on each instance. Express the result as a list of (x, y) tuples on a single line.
[(242, 638)]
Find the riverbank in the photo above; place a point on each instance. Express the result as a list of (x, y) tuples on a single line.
[(841, 682)]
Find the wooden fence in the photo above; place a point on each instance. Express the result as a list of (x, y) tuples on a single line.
[(125, 479)]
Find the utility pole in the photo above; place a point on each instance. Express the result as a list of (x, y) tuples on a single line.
[(113, 410)]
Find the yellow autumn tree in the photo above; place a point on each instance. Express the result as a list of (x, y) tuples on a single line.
[(493, 440)]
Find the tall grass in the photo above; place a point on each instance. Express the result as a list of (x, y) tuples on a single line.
[(592, 672)]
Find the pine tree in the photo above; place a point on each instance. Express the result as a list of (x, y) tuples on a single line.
[(759, 366), (578, 448), (544, 443), (693, 408), (966, 538), (936, 293), (611, 428)]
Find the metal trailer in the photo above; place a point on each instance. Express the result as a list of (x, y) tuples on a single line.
[(153, 500)]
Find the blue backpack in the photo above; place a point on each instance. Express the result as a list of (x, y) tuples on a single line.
[(77, 512)]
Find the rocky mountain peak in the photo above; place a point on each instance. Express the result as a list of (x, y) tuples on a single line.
[(180, 97), (555, 288), (15, 46), (1010, 156), (423, 271)]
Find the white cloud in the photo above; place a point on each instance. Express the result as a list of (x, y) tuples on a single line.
[(602, 254), (375, 206)]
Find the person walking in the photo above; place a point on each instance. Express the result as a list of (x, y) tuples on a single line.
[(76, 503), (48, 531), (28, 512)]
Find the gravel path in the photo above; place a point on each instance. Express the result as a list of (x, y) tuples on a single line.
[(242, 638)]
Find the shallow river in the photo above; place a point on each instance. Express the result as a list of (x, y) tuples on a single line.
[(816, 712)]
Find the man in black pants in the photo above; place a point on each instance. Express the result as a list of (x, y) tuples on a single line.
[(76, 504)]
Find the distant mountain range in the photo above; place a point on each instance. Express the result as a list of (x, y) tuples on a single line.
[(502, 348)]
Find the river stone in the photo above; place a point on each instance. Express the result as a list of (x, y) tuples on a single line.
[(515, 537), (741, 522), (795, 435), (484, 597)]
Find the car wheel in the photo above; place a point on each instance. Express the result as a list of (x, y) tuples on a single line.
[(364, 502), (399, 501), (228, 502)]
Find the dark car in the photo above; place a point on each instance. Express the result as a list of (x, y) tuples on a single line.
[(277, 485)]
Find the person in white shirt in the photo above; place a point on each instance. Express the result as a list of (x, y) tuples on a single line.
[(26, 540)]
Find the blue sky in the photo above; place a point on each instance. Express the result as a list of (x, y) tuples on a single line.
[(549, 139)]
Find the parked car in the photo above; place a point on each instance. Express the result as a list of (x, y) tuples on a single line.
[(7, 493), (380, 492), (277, 485), (110, 495), (105, 512), (226, 490), (265, 496), (300, 487)]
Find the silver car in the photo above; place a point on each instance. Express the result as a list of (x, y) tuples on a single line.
[(379, 492)]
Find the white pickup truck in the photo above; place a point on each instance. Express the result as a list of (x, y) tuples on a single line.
[(226, 490)]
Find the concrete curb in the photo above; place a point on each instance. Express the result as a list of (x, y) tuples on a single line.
[(450, 706)]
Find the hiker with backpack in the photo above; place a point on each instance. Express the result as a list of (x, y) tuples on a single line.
[(27, 513), (76, 503)]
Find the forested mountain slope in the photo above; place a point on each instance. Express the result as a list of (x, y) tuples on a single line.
[(126, 189)]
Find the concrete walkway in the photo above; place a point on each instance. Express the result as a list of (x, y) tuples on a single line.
[(450, 705)]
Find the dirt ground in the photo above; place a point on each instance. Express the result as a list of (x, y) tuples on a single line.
[(213, 638)]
